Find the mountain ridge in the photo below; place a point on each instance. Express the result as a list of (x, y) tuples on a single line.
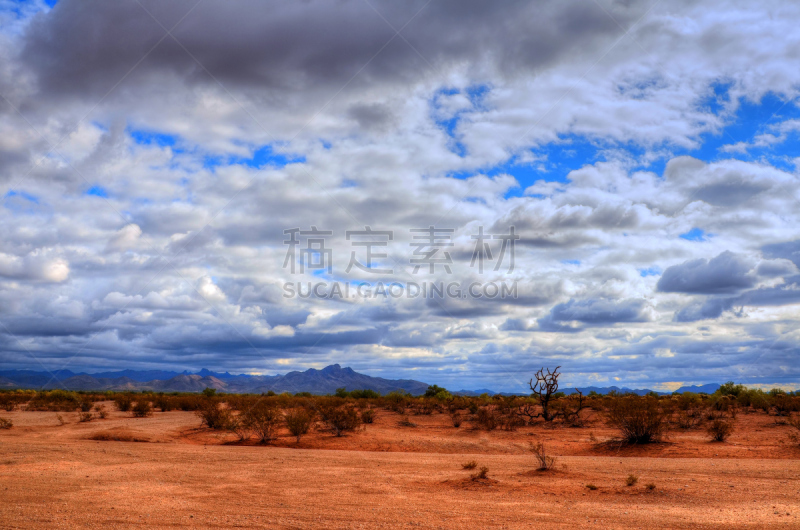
[(323, 381)]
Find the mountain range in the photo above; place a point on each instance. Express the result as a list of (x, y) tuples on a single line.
[(324, 381)]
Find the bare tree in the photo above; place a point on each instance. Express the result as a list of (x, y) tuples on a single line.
[(545, 388)]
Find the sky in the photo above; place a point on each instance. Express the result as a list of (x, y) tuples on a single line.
[(158, 159)]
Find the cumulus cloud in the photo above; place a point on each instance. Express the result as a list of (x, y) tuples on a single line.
[(725, 273), (148, 180)]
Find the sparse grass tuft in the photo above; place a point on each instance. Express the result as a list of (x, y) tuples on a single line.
[(482, 473), (545, 462), (592, 487), (631, 480), (6, 423), (84, 417), (650, 487), (406, 422), (472, 464)]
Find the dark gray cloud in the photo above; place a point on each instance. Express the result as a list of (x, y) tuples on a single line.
[(86, 47), (789, 250), (726, 273), (594, 312)]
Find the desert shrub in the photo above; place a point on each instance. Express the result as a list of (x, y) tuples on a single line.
[(338, 416), (85, 417), (486, 418), (365, 394), (482, 473), (6, 423), (142, 409), (545, 462), (472, 407), (759, 400), (689, 407), (731, 389), (631, 480), (214, 415), (591, 487), (123, 402), (238, 426), (719, 430), (795, 423), (54, 400), (456, 418), (85, 406), (650, 487), (397, 401), (472, 464), (725, 404), (368, 416), (640, 420), (406, 422), (164, 403), (191, 403), (784, 404), (101, 411), (298, 422), (425, 406), (60, 419), (8, 402), (116, 436), (264, 420)]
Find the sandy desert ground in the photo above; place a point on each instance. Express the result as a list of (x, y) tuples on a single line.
[(388, 476)]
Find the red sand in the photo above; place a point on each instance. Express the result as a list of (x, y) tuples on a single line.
[(388, 476)]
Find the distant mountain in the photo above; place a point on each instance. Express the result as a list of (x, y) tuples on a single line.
[(705, 389), (324, 381), (710, 388)]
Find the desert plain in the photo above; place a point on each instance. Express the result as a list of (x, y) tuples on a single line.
[(175, 472)]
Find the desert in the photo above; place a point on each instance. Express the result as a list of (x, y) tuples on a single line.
[(405, 469)]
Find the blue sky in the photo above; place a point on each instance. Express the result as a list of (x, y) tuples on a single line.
[(650, 173)]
